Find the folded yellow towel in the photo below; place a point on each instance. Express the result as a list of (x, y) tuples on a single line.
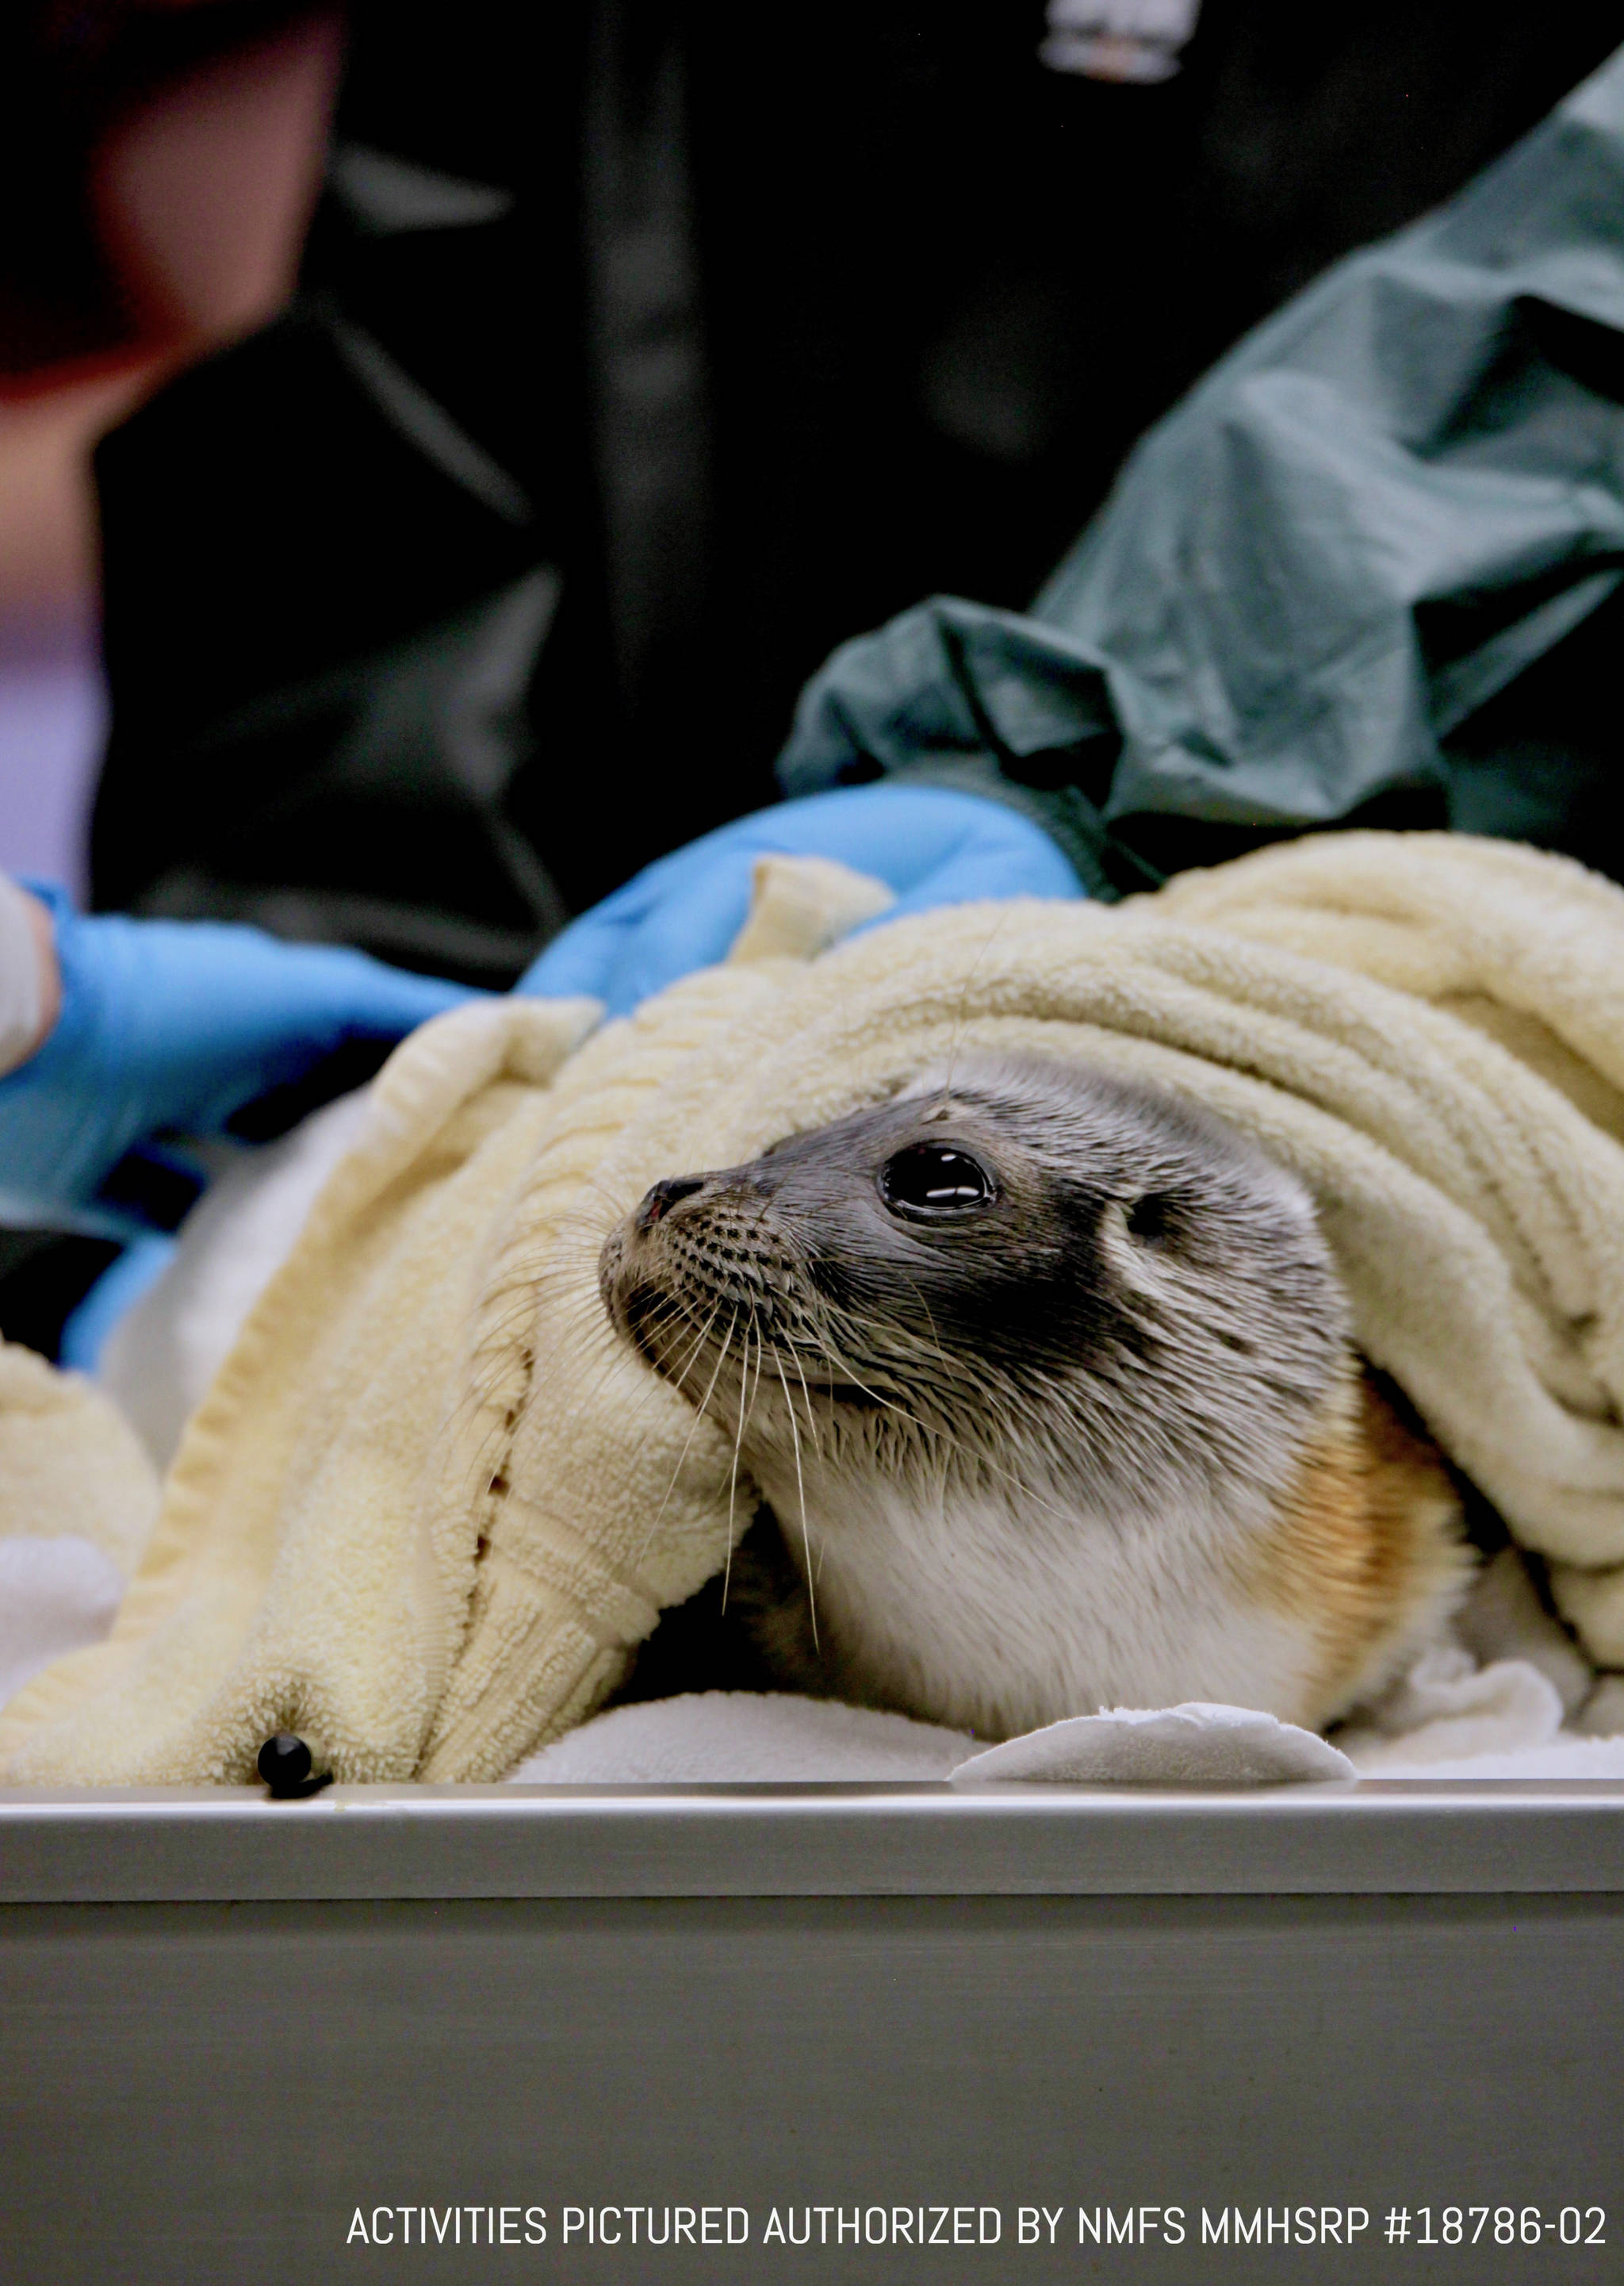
[(430, 1505)]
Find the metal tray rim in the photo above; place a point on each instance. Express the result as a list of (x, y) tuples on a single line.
[(184, 1844)]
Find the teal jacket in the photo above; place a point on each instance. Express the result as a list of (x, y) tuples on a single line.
[(1367, 571)]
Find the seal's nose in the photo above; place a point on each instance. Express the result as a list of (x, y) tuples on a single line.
[(665, 1195)]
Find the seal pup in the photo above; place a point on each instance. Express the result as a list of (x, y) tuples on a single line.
[(1047, 1378)]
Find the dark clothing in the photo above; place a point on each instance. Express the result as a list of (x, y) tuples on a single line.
[(644, 351), (1369, 571)]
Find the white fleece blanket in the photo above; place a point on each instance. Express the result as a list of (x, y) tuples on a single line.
[(721, 1738)]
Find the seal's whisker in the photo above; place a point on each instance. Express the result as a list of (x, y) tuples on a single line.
[(941, 1354), (935, 1436), (761, 1348), (812, 1418), (733, 1474), (699, 1414), (800, 1485), (612, 1359), (698, 1343)]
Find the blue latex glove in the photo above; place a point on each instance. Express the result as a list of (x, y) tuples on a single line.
[(934, 847), (179, 1024)]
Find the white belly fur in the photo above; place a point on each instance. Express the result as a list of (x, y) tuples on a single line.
[(998, 1617)]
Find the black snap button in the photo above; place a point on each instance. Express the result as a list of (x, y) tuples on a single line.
[(288, 1767)]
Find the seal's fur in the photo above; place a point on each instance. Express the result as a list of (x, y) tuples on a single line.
[(1047, 1379)]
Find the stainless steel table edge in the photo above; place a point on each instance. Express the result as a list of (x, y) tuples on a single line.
[(213, 1844)]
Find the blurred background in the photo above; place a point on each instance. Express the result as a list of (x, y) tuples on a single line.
[(898, 284), (436, 444), (159, 165)]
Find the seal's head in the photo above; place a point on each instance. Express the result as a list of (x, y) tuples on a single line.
[(1046, 1378)]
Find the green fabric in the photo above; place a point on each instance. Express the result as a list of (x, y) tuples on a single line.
[(1372, 516)]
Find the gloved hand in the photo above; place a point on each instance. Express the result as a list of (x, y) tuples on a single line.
[(179, 1024), (933, 845)]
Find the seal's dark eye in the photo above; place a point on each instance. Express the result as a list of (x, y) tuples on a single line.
[(929, 1178)]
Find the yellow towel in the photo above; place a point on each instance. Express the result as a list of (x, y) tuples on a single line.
[(429, 1504), (70, 1463)]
